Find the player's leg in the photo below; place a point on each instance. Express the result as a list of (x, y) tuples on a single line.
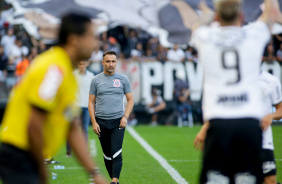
[(245, 151), (215, 153), (268, 167), (117, 140), (105, 141), (85, 120)]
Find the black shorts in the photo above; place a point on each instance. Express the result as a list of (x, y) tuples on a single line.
[(17, 166), (232, 151), (268, 163)]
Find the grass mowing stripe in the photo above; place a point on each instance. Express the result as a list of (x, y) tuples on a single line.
[(174, 174), (92, 147), (184, 160), (78, 168)]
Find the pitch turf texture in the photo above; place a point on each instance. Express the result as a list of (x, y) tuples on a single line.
[(173, 143)]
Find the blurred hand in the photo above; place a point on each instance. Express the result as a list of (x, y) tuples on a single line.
[(96, 128), (201, 136), (204, 7), (199, 141), (266, 122), (99, 179), (123, 122)]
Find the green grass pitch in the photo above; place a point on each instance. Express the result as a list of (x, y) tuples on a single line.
[(173, 143)]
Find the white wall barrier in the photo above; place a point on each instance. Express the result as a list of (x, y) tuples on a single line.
[(145, 75)]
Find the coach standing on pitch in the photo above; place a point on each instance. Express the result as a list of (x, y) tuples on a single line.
[(108, 116)]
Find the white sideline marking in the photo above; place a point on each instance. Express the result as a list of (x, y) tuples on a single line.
[(93, 149), (163, 162), (73, 168)]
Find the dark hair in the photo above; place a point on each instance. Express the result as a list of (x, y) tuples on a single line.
[(109, 52), (72, 23)]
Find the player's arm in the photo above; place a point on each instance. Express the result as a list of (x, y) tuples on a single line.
[(267, 120), (271, 13), (35, 137), (206, 18), (79, 147), (201, 136), (91, 110), (128, 109)]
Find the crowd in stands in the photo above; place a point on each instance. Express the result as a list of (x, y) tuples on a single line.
[(18, 49)]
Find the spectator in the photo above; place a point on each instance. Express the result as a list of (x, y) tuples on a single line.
[(279, 55), (189, 54), (119, 34), (16, 52), (41, 46), (195, 56), (3, 63), (7, 11), (132, 40), (105, 47), (8, 41), (96, 61), (181, 93), (269, 53), (104, 37), (33, 53), (176, 54), (113, 45), (21, 67), (153, 44), (25, 38), (149, 56), (143, 37), (154, 105), (161, 53), (137, 53)]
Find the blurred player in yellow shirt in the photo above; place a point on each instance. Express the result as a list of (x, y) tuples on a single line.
[(41, 115)]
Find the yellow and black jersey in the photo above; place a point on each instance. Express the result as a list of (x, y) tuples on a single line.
[(50, 85)]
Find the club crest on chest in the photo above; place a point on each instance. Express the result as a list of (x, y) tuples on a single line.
[(116, 83)]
